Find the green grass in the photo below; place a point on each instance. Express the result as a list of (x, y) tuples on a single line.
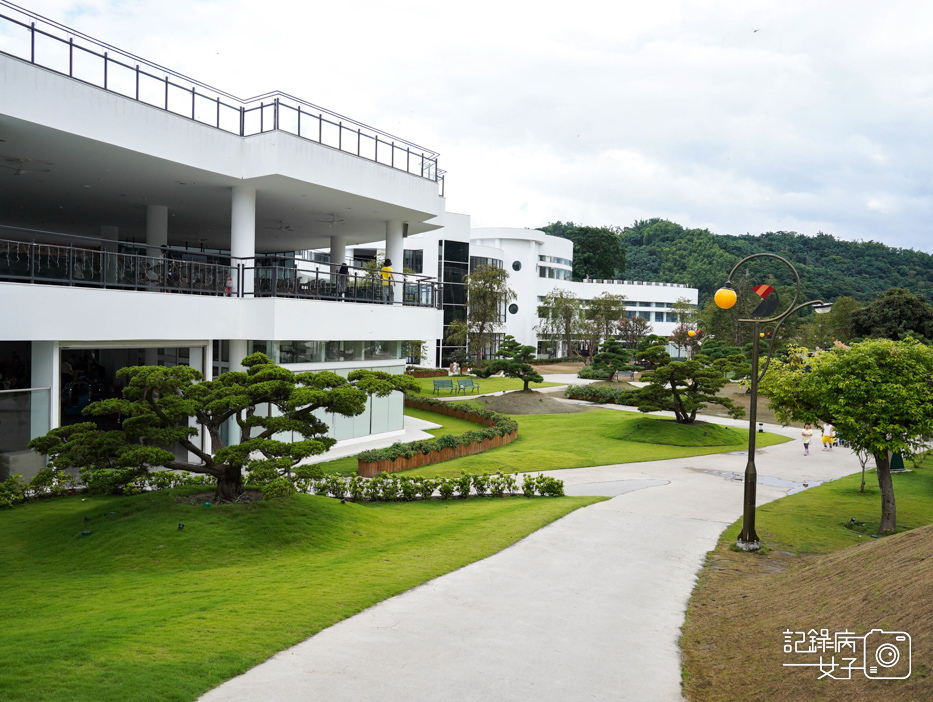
[(595, 438), (485, 385), (818, 520), (139, 610)]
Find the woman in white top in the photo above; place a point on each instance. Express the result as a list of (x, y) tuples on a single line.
[(807, 433)]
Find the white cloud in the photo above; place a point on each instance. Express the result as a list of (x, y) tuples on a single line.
[(597, 112)]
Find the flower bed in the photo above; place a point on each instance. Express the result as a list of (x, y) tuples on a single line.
[(500, 430), (426, 372)]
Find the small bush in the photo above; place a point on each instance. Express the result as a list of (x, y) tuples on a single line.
[(592, 373), (446, 488), (277, 489)]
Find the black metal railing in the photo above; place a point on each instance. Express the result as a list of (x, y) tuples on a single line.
[(71, 53), (59, 259)]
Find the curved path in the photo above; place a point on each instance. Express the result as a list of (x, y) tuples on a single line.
[(587, 608)]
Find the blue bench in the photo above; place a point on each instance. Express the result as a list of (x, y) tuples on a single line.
[(464, 384), (443, 385)]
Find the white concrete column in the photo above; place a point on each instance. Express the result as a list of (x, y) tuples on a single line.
[(243, 234), (238, 351), (338, 250), (395, 252), (156, 228), (45, 408), (196, 357), (110, 247)]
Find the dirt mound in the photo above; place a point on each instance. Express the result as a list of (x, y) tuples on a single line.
[(883, 584), (549, 368), (530, 403)]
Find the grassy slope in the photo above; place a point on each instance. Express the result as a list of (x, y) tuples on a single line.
[(139, 610), (862, 583)]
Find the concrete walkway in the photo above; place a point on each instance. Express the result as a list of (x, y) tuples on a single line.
[(588, 608)]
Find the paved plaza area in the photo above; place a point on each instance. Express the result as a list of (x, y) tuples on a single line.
[(587, 608)]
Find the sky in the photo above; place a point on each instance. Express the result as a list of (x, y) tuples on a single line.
[(739, 117)]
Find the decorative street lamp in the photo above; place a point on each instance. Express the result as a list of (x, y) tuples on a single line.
[(726, 298)]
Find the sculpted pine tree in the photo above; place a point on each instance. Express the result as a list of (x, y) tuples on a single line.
[(686, 387), (877, 394), (160, 404), (613, 358), (515, 362)]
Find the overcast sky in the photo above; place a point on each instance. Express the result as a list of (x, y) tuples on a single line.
[(739, 116)]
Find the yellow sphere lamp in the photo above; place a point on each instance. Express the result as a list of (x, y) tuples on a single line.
[(691, 333), (725, 298)]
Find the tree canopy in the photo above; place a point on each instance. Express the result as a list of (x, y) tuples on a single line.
[(597, 251), (894, 314), (877, 394), (158, 403)]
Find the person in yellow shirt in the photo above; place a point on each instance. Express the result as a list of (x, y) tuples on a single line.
[(388, 282)]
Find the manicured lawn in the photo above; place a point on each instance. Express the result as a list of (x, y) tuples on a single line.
[(485, 385), (139, 610), (595, 438)]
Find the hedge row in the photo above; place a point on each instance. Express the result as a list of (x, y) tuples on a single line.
[(602, 394), (55, 483), (548, 361), (498, 426), (391, 487)]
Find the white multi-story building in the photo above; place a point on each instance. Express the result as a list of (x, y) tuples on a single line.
[(148, 218), (537, 264)]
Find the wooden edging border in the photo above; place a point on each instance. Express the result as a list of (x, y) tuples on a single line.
[(369, 469)]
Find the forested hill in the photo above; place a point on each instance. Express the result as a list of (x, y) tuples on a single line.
[(829, 268)]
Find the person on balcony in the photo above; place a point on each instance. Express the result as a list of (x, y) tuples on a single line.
[(388, 282), (343, 276)]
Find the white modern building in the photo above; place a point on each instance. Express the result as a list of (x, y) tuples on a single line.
[(148, 218), (537, 264)]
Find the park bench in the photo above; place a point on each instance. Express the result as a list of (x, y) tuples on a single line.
[(464, 384), (447, 384)]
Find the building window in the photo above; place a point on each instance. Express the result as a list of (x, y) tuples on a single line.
[(513, 308), (516, 265), (414, 260)]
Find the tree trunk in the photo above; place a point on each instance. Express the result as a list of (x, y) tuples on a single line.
[(229, 485), (888, 507)]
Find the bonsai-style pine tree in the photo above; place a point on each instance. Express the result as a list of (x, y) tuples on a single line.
[(612, 357), (685, 387), (159, 403), (516, 363)]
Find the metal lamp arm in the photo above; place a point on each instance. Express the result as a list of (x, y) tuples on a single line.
[(781, 319)]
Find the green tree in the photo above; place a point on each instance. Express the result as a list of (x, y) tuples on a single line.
[(158, 403), (893, 315), (685, 387), (612, 357), (601, 317), (877, 394), (488, 293), (515, 363), (597, 251), (561, 315), (631, 331)]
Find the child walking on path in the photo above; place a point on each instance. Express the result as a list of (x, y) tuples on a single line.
[(806, 434)]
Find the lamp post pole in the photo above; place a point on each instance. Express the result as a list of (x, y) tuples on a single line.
[(725, 298)]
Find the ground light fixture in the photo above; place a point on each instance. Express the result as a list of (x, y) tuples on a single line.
[(726, 298)]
